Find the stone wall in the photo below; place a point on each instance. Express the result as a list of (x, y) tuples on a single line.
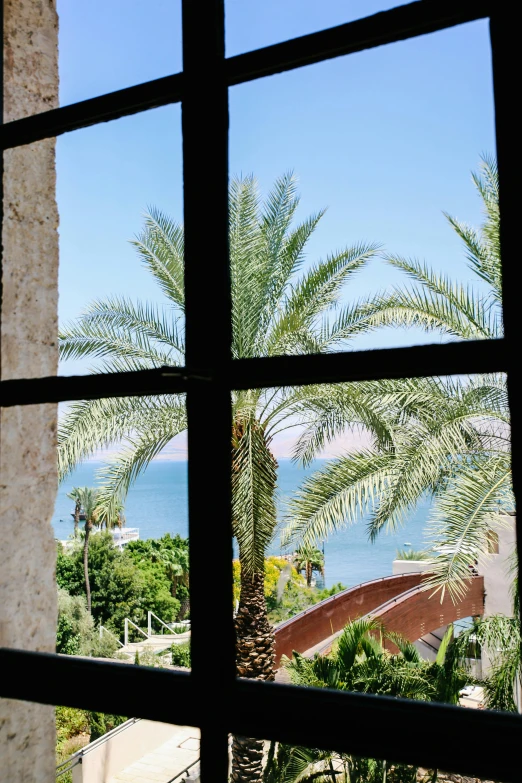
[(28, 479)]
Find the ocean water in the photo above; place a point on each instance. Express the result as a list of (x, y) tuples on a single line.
[(157, 504)]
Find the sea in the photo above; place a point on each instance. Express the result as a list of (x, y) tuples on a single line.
[(157, 504)]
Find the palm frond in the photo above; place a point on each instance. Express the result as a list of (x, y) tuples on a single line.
[(90, 425), (161, 248), (335, 496), (118, 474), (254, 480), (499, 637), (462, 517), (459, 312), (248, 264), (316, 292), (118, 328), (355, 639), (329, 410)]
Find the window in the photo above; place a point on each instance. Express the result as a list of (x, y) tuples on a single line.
[(363, 725)]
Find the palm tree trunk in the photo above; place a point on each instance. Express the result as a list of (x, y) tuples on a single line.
[(184, 608), (308, 573), (77, 507), (88, 526), (255, 649)]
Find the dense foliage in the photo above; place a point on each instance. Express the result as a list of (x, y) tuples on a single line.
[(76, 633), (76, 728), (125, 583), (289, 764), (181, 655), (360, 661)]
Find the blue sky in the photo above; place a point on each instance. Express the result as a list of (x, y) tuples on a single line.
[(385, 139)]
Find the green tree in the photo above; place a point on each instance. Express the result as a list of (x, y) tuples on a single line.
[(75, 627), (443, 438), (67, 641), (361, 662), (100, 723), (87, 498), (277, 308), (121, 586), (173, 554), (309, 559)]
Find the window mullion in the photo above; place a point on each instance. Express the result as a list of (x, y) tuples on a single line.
[(208, 352), (504, 47)]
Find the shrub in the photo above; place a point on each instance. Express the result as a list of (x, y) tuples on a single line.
[(181, 655), (69, 723), (67, 641), (75, 631), (100, 723)]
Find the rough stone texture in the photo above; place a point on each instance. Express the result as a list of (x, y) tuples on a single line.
[(28, 480)]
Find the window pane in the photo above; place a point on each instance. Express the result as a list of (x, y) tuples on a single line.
[(364, 515), (110, 747), (380, 145), (253, 24), (108, 46), (123, 465), (121, 244), (284, 759), (79, 744)]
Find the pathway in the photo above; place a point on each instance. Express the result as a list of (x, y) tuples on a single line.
[(166, 761)]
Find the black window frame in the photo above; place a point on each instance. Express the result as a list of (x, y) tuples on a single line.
[(211, 697)]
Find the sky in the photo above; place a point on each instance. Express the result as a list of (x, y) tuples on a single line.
[(385, 139)]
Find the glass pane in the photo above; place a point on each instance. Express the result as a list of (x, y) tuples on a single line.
[(123, 491), (109, 747), (251, 25), (108, 46), (120, 203), (378, 516), (380, 146), (283, 760)]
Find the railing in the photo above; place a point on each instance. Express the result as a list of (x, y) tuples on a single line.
[(178, 775), (77, 757), (103, 630), (150, 615), (333, 598), (126, 630), (122, 536)]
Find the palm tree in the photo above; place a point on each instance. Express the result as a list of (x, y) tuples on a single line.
[(499, 638), (277, 309), (360, 662), (73, 495), (444, 438), (110, 513), (309, 559), (176, 562), (88, 499), (290, 764)]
